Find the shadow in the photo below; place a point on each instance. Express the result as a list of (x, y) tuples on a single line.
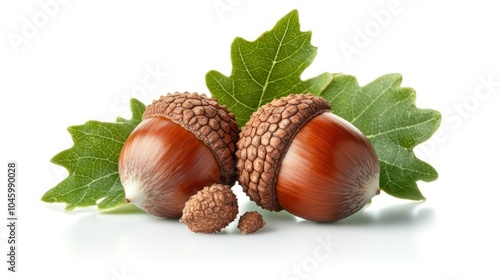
[(404, 214), (273, 220), (266, 214), (61, 208), (411, 213), (128, 208)]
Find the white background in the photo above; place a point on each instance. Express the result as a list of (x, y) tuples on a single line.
[(86, 59)]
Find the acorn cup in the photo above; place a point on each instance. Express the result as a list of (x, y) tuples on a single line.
[(294, 154), (211, 209)]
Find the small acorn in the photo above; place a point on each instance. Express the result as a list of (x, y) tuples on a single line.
[(211, 209), (184, 143), (295, 154)]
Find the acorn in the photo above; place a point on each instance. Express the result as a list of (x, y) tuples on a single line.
[(294, 154), (184, 143)]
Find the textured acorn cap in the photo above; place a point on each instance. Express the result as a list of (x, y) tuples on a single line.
[(207, 120), (250, 222), (210, 209), (265, 139)]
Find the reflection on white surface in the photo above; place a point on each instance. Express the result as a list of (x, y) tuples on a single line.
[(389, 237), (286, 248)]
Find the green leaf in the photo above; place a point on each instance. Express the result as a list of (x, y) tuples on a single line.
[(266, 68), (92, 163), (270, 67), (386, 113)]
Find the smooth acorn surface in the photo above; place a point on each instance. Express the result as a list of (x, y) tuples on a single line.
[(328, 172), (162, 165)]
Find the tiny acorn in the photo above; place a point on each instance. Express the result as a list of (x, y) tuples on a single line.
[(186, 141), (294, 154)]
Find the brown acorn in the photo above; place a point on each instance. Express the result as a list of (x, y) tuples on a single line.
[(184, 143), (295, 154)]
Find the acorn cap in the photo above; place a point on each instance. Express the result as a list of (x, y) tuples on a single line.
[(207, 120), (250, 222), (264, 140), (210, 209)]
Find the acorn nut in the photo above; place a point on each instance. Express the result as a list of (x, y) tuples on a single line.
[(295, 154), (211, 209), (184, 143)]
